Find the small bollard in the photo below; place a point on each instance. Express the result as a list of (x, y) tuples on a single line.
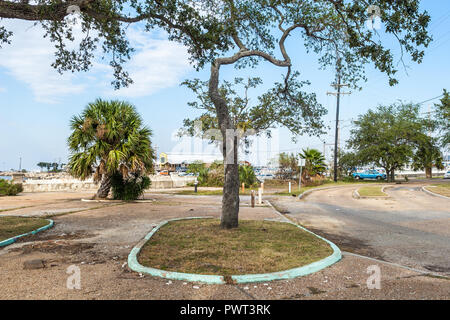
[(253, 198), (290, 187), (259, 196), (195, 186), (243, 187), (262, 186)]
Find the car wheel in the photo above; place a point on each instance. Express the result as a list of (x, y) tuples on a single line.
[(357, 178), (378, 178)]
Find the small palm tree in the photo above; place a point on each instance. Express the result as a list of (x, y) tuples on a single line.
[(107, 138), (247, 175), (315, 162)]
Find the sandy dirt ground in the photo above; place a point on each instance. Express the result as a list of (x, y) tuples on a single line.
[(97, 239)]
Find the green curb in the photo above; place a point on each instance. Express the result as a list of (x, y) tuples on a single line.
[(134, 265), (13, 239)]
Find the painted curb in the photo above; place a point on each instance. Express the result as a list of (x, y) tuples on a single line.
[(434, 194), (134, 265), (13, 239)]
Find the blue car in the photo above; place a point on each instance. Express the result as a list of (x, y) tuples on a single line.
[(369, 174)]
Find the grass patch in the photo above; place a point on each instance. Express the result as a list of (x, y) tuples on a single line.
[(442, 189), (201, 246), (200, 192), (14, 226), (326, 183), (371, 191)]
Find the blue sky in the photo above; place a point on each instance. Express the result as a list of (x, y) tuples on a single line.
[(36, 103)]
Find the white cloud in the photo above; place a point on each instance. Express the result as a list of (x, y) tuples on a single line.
[(28, 59), (157, 64)]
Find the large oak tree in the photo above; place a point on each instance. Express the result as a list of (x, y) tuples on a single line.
[(235, 32)]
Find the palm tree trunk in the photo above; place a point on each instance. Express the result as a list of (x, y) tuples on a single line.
[(105, 186)]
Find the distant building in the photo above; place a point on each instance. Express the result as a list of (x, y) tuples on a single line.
[(180, 161)]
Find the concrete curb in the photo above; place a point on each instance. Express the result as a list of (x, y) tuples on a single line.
[(13, 239), (214, 279), (304, 194), (434, 194)]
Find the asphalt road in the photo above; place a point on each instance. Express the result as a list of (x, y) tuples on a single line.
[(411, 228)]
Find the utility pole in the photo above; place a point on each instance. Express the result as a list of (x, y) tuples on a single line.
[(337, 86), (20, 164)]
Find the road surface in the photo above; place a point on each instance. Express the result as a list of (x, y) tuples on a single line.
[(411, 228)]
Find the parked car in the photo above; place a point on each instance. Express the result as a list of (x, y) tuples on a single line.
[(369, 174), (447, 175)]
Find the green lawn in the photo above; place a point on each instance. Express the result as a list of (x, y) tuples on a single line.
[(201, 246), (14, 226), (371, 191)]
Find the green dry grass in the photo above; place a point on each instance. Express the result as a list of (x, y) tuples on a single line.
[(371, 191), (201, 192), (14, 226), (201, 246), (442, 189), (326, 183)]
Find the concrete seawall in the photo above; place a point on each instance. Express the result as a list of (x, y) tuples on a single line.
[(158, 182)]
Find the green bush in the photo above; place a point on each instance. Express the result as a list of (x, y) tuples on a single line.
[(348, 179), (247, 176), (8, 188), (129, 189)]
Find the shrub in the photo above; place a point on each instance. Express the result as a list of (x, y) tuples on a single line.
[(247, 176), (129, 189), (8, 188), (348, 179)]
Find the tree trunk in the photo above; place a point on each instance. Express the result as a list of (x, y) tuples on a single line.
[(230, 199), (428, 172), (388, 175), (105, 186), (392, 175)]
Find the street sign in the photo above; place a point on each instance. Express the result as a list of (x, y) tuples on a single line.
[(301, 162)]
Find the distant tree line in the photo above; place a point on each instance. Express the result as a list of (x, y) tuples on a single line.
[(51, 166)]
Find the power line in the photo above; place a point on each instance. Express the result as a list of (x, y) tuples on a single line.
[(431, 99)]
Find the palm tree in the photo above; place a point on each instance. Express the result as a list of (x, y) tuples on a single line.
[(315, 162), (247, 175), (107, 138)]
